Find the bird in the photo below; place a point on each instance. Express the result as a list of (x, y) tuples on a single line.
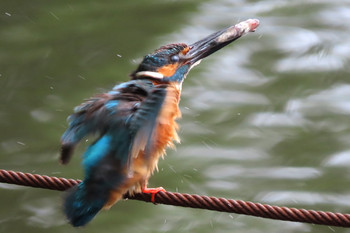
[(133, 124)]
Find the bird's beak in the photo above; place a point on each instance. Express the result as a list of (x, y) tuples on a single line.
[(218, 40)]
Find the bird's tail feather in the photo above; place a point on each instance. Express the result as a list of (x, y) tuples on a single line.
[(82, 203), (66, 153)]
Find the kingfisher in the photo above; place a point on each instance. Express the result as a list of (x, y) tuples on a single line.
[(134, 123)]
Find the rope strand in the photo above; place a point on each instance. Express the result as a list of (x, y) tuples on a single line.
[(192, 201)]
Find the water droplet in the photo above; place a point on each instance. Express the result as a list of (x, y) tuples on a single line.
[(81, 77), (55, 16), (21, 143)]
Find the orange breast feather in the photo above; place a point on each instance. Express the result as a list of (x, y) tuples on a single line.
[(166, 131)]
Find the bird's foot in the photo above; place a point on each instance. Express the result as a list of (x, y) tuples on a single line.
[(153, 191)]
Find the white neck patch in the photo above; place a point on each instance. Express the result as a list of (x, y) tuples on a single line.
[(151, 74), (195, 64)]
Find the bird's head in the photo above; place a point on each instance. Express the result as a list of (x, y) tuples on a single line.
[(171, 63)]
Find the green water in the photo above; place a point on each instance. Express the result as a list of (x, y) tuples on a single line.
[(265, 119)]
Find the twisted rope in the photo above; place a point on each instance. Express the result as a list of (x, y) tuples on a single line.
[(192, 201)]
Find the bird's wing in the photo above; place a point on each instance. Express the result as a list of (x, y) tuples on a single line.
[(131, 107), (145, 119), (102, 112)]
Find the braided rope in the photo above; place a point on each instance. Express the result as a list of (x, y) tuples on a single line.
[(192, 201)]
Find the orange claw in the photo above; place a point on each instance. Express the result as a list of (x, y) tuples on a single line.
[(153, 191)]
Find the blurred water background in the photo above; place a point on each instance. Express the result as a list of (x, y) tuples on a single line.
[(266, 119)]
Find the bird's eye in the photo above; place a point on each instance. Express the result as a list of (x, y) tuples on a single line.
[(175, 58)]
